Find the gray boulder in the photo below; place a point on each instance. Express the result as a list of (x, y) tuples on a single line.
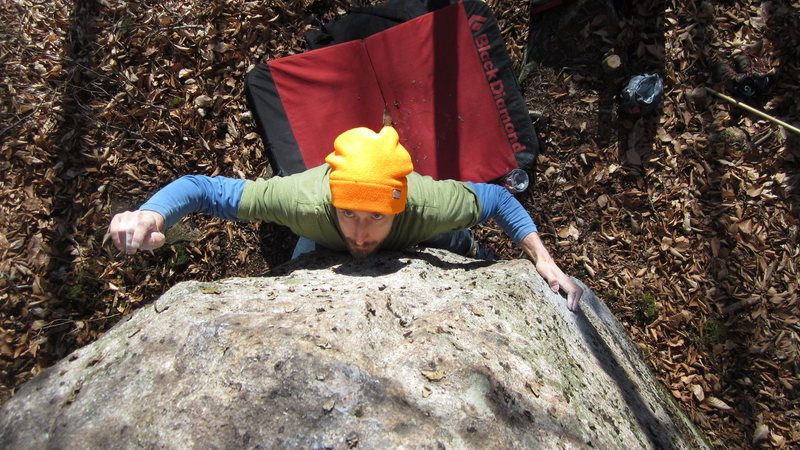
[(416, 349)]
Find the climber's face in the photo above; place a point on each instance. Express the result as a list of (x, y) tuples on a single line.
[(364, 231)]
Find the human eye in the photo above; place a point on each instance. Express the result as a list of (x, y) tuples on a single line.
[(347, 213), (378, 216)]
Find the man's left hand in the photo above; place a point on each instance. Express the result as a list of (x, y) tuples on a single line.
[(550, 271), (558, 280)]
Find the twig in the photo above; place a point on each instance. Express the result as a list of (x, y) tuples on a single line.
[(739, 305), (23, 119), (17, 288), (753, 110), (155, 307), (138, 137), (58, 322), (763, 138), (177, 27)]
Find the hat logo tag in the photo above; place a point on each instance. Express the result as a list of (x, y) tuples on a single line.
[(395, 194)]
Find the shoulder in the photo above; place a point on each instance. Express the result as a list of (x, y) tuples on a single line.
[(309, 184), (424, 190), (286, 199)]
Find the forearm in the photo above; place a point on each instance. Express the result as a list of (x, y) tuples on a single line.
[(218, 196), (534, 247), (549, 270)]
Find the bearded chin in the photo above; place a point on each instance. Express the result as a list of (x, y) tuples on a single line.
[(361, 251)]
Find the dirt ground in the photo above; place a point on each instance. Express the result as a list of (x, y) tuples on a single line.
[(684, 221)]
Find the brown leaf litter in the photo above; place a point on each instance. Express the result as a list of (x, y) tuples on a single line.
[(685, 222)]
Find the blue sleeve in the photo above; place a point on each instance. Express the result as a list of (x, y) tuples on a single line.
[(498, 203), (218, 196)]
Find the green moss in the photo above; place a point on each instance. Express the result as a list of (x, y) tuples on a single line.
[(210, 289), (181, 258), (124, 26), (527, 70), (75, 292), (293, 281), (175, 102), (715, 332), (175, 256), (646, 309), (84, 291)]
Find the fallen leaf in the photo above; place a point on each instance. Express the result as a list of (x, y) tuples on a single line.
[(778, 440), (534, 387), (698, 392), (203, 101), (755, 191), (761, 433), (717, 403), (433, 375), (569, 231)]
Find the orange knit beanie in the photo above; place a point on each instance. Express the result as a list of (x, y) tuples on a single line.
[(369, 171)]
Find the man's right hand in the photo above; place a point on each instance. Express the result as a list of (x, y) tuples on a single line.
[(137, 230)]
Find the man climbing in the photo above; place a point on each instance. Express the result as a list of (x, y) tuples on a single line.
[(366, 198)]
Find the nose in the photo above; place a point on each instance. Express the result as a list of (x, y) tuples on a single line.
[(361, 233)]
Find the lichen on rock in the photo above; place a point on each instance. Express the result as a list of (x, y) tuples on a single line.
[(413, 349)]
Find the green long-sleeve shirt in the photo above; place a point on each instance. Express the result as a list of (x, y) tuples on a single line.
[(302, 202)]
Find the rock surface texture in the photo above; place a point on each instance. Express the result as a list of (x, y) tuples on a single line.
[(415, 349)]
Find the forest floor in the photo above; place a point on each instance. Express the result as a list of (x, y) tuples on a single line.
[(684, 221)]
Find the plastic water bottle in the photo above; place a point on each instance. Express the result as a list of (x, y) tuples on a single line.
[(642, 94), (516, 181)]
